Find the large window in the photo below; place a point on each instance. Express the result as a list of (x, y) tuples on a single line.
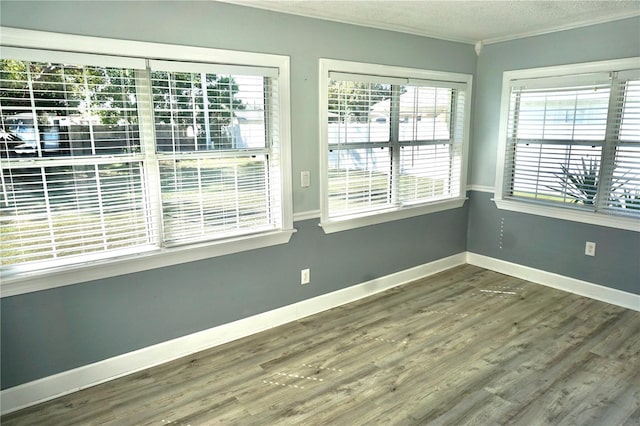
[(107, 156), (571, 142), (393, 142)]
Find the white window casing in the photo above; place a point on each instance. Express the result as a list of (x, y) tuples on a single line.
[(115, 164), (393, 142), (570, 143)]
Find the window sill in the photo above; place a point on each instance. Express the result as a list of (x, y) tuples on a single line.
[(331, 226), (44, 279), (591, 218)]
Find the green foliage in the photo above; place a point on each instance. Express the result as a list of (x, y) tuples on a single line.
[(61, 89), (630, 200), (184, 93), (355, 99), (580, 184), (110, 93)]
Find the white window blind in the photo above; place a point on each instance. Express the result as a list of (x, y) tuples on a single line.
[(72, 171), (624, 190), (574, 141), (215, 155), (391, 144), (101, 161)]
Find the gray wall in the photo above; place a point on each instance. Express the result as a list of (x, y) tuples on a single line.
[(554, 245), (47, 332), (549, 244)]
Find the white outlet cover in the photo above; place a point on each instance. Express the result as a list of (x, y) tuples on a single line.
[(590, 248)]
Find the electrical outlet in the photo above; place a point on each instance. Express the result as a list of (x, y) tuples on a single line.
[(590, 248), (304, 276)]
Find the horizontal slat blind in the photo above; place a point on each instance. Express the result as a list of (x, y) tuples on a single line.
[(391, 145), (556, 137), (359, 174), (60, 211), (72, 171), (199, 112), (359, 112), (205, 196), (624, 195), (425, 172), (556, 173), (430, 120), (571, 142), (576, 113), (216, 159), (425, 113), (359, 180), (66, 110)]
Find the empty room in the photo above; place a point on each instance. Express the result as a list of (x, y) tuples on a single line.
[(320, 212)]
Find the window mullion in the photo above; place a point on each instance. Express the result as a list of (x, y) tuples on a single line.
[(511, 144), (151, 177), (394, 144), (607, 159), (101, 207), (34, 112), (205, 105), (268, 97), (47, 203), (452, 129), (194, 111), (89, 112)]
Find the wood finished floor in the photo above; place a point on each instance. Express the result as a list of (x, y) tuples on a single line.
[(466, 346)]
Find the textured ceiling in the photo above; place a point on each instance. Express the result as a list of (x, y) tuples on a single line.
[(459, 20)]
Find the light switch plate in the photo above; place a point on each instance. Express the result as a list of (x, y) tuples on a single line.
[(305, 179), (304, 276)]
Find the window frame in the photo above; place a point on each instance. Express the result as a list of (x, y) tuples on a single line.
[(531, 207), (327, 66), (24, 280)]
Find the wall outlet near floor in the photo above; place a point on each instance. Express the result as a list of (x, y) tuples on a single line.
[(304, 276), (590, 248)]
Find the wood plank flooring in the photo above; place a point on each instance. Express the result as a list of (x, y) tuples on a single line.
[(466, 346)]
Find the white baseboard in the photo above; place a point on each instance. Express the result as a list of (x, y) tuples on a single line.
[(60, 384), (561, 282)]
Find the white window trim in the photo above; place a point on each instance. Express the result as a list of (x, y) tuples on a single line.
[(78, 273), (25, 282), (564, 213), (409, 75), (389, 215)]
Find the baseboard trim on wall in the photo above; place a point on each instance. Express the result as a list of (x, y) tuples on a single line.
[(561, 282), (31, 393)]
